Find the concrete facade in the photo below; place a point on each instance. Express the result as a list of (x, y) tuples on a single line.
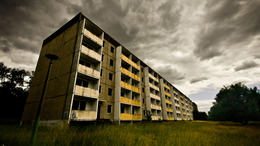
[(97, 78)]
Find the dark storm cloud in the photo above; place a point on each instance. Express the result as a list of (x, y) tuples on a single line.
[(169, 73), (246, 65), (25, 23), (227, 23), (198, 79)]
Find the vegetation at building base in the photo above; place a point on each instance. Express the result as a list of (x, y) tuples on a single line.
[(148, 133), (13, 92), (199, 115), (236, 103)]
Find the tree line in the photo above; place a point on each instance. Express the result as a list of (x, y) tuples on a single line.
[(14, 89)]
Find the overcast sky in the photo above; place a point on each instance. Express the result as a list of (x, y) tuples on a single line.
[(198, 46)]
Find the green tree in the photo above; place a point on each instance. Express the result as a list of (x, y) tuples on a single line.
[(13, 92), (199, 115), (236, 103)]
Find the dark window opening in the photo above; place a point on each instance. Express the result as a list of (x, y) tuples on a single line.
[(109, 91), (122, 109), (112, 49), (110, 76), (111, 62), (109, 109), (75, 105)]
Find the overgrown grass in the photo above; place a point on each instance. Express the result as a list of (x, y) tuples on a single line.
[(163, 133)]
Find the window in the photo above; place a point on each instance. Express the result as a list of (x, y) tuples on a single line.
[(102, 58), (101, 72), (75, 105), (133, 111), (123, 94), (82, 105), (142, 69), (111, 62), (103, 43), (144, 112), (143, 100), (143, 89), (110, 76), (109, 109), (109, 91), (112, 49), (122, 109), (99, 89), (82, 83), (142, 79)]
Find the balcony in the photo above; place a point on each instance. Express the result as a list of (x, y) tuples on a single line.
[(88, 71), (88, 92), (137, 117), (126, 100), (130, 62), (81, 115), (176, 98), (125, 116), (166, 86), (154, 87), (168, 101), (179, 119), (157, 107), (183, 107), (155, 96), (177, 111), (169, 110), (182, 101), (136, 102), (91, 53), (126, 72), (154, 78), (93, 37), (126, 85), (157, 118), (170, 118), (168, 94), (135, 89), (184, 113), (184, 119)]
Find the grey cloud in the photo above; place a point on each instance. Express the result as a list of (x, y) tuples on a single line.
[(198, 79), (227, 23), (5, 45), (170, 73), (25, 24), (246, 65)]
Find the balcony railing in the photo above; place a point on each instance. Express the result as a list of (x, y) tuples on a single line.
[(157, 107), (170, 118), (88, 92), (125, 116), (155, 96), (168, 101), (166, 86), (176, 98), (126, 100), (126, 85), (91, 53), (157, 118), (153, 77), (154, 87), (93, 37), (130, 74), (168, 94), (130, 62), (81, 115), (88, 71), (135, 89), (179, 119), (169, 110), (136, 102), (177, 111), (137, 117), (183, 107)]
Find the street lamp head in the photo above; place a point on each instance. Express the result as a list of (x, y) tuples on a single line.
[(52, 56)]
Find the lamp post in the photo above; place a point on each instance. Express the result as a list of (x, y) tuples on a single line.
[(38, 114)]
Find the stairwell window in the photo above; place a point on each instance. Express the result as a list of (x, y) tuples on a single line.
[(110, 76), (109, 109), (111, 62), (109, 91), (112, 49)]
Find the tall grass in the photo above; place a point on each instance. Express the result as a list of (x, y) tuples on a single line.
[(163, 133)]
